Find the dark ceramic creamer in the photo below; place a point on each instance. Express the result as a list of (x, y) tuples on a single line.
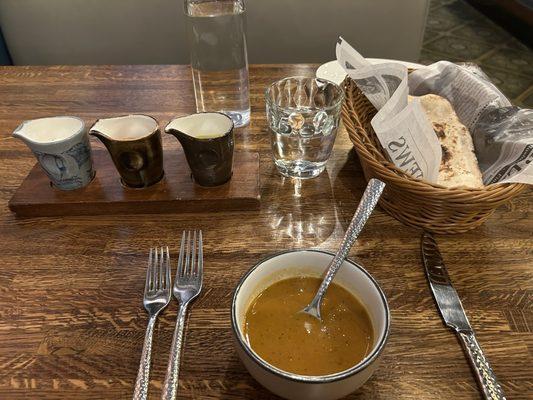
[(134, 143), (208, 142)]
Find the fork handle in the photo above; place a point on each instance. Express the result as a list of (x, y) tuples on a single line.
[(143, 376), (170, 387)]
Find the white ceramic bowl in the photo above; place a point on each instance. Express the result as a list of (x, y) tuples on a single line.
[(310, 263)]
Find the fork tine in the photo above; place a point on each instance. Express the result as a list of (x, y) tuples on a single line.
[(200, 255), (179, 270), (161, 271), (155, 269), (148, 273), (167, 270), (193, 255), (186, 268)]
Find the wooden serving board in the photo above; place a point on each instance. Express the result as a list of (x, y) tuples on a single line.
[(175, 193)]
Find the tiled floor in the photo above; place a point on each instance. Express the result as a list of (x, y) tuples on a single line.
[(457, 32)]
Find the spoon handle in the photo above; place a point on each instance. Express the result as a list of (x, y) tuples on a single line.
[(364, 209)]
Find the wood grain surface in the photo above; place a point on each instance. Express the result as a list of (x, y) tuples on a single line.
[(176, 192), (71, 316)]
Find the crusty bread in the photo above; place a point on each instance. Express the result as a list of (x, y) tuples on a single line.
[(459, 166)]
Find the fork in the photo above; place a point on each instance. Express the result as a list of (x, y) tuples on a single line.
[(156, 298), (187, 286)]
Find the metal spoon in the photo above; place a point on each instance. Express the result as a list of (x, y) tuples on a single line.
[(366, 206)]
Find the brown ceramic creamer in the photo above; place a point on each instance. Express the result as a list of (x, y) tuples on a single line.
[(208, 142), (134, 143)]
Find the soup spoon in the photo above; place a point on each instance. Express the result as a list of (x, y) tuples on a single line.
[(364, 209)]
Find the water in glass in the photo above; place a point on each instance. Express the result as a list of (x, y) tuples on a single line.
[(303, 116), (218, 57)]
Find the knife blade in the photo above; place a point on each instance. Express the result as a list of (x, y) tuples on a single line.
[(453, 314)]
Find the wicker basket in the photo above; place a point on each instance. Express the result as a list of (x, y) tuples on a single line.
[(413, 201)]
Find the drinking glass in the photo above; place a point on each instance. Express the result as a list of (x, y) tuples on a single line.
[(303, 117)]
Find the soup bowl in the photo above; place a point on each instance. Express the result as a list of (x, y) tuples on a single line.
[(353, 278)]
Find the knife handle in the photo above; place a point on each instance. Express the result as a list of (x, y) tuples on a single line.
[(484, 374)]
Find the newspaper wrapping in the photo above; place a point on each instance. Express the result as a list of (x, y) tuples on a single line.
[(502, 134)]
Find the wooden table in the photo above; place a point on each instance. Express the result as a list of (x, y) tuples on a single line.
[(71, 316)]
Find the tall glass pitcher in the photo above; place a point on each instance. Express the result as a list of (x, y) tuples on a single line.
[(218, 57)]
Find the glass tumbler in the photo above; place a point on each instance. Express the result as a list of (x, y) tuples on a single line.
[(303, 117)]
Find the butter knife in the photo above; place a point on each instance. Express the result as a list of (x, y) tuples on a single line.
[(454, 316)]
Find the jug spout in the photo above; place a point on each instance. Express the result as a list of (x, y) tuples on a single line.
[(20, 133), (181, 136), (103, 138)]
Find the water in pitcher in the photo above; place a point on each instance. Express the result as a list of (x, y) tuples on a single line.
[(218, 57)]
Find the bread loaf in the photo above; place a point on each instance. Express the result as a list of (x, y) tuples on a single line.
[(459, 166)]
